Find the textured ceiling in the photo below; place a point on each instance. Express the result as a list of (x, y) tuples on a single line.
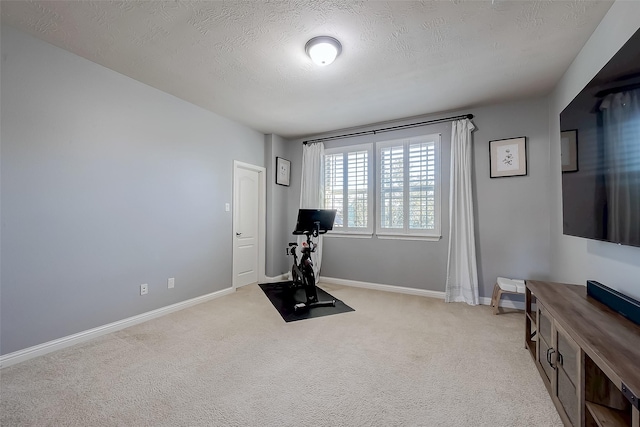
[(245, 60)]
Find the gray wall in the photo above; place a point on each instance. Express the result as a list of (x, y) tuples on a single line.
[(573, 259), (278, 229), (512, 225), (106, 184)]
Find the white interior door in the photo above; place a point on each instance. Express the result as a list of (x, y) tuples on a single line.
[(247, 212)]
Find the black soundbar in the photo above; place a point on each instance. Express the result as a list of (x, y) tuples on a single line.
[(616, 301)]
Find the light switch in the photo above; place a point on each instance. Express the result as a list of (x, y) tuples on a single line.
[(227, 207)]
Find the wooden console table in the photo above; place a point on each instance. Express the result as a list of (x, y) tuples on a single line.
[(588, 356)]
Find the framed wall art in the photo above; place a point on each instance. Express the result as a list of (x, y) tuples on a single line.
[(283, 171), (569, 150), (508, 157)]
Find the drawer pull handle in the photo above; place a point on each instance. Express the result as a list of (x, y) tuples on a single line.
[(550, 352)]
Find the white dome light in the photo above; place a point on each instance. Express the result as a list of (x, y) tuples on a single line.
[(323, 50)]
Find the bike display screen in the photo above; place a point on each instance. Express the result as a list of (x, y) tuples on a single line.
[(307, 219)]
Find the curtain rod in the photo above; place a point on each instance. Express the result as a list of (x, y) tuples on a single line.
[(375, 131)]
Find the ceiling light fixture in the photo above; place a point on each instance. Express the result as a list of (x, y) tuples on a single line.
[(323, 50)]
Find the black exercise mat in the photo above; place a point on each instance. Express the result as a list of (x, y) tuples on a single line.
[(283, 299)]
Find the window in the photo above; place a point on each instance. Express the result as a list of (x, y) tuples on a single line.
[(407, 202), (408, 196), (348, 188)]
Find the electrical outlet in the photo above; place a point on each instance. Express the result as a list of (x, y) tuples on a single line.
[(171, 283), (144, 289)]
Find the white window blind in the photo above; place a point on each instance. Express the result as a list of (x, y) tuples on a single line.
[(334, 185), (392, 186), (422, 183), (348, 187), (408, 182)]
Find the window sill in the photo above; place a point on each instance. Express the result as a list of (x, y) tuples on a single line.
[(365, 235), (408, 237), (353, 235)]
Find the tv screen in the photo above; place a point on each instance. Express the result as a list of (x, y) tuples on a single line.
[(600, 150)]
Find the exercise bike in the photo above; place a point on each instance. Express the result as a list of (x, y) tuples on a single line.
[(311, 223)]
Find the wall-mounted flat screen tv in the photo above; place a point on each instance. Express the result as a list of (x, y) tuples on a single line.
[(600, 150)]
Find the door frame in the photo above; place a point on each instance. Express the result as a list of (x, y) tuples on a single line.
[(262, 220)]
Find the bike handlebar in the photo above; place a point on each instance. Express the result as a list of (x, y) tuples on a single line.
[(298, 233)]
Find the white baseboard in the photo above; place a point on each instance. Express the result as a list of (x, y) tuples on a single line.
[(276, 279), (267, 279), (60, 343), (505, 303), (381, 287), (413, 291)]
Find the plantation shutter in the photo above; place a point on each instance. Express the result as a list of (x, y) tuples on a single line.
[(357, 188), (422, 159), (348, 188), (334, 186), (392, 187)]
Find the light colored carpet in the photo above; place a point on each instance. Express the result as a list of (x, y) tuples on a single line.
[(398, 360)]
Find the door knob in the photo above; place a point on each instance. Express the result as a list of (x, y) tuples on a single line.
[(238, 234)]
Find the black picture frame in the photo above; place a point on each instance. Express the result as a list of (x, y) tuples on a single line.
[(283, 171), (508, 157)]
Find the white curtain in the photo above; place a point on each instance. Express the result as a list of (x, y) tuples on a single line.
[(462, 271), (312, 192), (621, 129)]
